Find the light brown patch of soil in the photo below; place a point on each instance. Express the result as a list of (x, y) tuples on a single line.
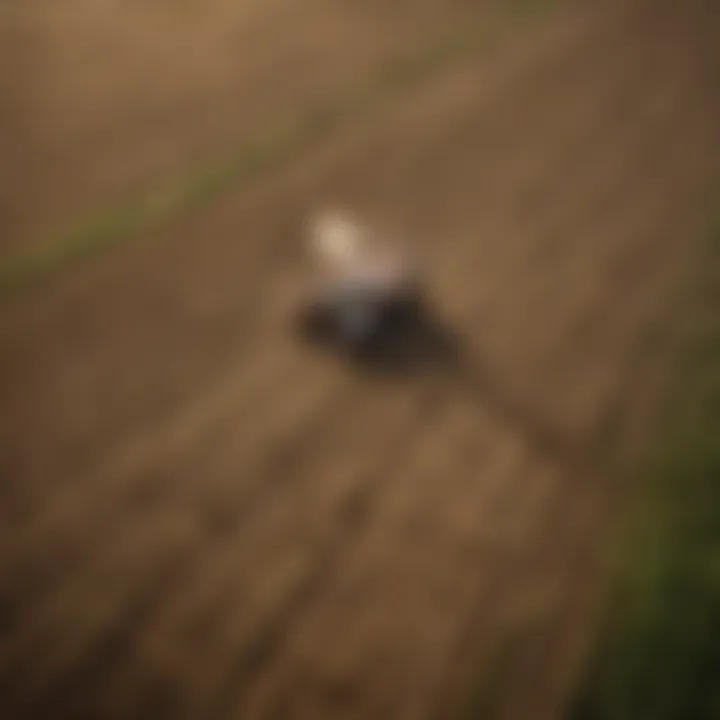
[(101, 99)]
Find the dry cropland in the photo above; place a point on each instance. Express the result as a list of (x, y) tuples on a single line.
[(201, 517)]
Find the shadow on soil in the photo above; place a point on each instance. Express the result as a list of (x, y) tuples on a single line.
[(405, 340), (419, 344)]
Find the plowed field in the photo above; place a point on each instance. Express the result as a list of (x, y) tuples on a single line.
[(201, 518)]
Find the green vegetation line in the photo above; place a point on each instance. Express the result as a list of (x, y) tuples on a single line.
[(201, 185), (659, 654)]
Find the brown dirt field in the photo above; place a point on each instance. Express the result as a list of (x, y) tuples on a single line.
[(202, 519), (108, 96)]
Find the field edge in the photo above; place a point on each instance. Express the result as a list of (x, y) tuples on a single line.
[(655, 657)]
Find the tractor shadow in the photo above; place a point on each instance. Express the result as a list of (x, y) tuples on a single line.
[(422, 345), (404, 345)]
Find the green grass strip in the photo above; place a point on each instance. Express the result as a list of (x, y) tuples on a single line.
[(659, 654), (201, 185)]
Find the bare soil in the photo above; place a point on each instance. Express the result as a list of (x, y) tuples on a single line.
[(105, 97), (202, 518)]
